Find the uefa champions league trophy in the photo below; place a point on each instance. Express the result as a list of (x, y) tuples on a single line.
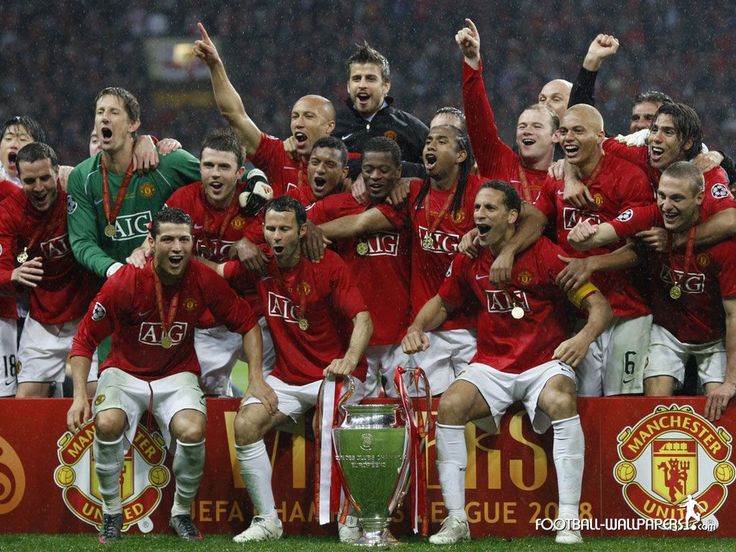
[(373, 447)]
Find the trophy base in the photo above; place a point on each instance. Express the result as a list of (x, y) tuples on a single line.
[(381, 539)]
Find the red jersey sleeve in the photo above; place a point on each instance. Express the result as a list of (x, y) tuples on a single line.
[(717, 196), (454, 289), (270, 158), (725, 255), (546, 199), (490, 151), (345, 296), (636, 219), (398, 216), (635, 154), (104, 310), (7, 251), (227, 307)]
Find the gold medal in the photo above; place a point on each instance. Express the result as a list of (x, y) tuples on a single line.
[(109, 230), (23, 256), (517, 312), (303, 324), (362, 248), (166, 341), (427, 243), (675, 292)]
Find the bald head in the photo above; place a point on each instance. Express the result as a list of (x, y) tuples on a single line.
[(312, 118), (555, 95), (587, 114)]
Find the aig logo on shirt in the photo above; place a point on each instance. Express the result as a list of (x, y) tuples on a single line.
[(572, 216), (282, 307), (150, 333), (437, 241), (499, 300), (133, 226), (690, 282), (56, 247), (383, 244)]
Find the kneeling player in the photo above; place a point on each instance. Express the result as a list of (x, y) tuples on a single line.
[(523, 355)]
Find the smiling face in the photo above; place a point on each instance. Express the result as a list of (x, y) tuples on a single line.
[(380, 174), (220, 174), (582, 134), (665, 146), (172, 249), (679, 202), (326, 171), (113, 126), (283, 235), (367, 88), (312, 118), (14, 138), (493, 219), (39, 183), (534, 136)]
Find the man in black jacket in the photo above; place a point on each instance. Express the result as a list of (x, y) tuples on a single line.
[(369, 113)]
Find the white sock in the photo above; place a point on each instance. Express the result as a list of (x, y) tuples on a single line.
[(109, 457), (188, 467), (568, 453), (452, 459), (255, 469)]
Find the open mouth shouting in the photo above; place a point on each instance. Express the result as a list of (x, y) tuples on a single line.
[(105, 135), (430, 160), (12, 155), (301, 138), (528, 141), (363, 98), (483, 229), (655, 153), (319, 183)]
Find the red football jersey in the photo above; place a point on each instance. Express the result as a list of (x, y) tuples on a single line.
[(436, 233), (126, 308), (697, 316), (8, 308), (67, 288), (616, 186), (302, 194), (505, 343), (282, 170), (495, 159), (216, 230), (320, 293), (379, 267)]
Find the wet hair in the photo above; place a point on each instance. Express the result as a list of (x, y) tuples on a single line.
[(332, 142), (130, 103), (454, 112), (284, 204), (653, 96), (462, 143), (366, 54), (31, 125), (687, 125), (223, 139), (687, 171), (381, 144), (172, 215), (36, 151), (510, 196), (554, 119)]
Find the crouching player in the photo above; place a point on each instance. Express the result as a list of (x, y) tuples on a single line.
[(309, 308), (151, 314), (523, 355)]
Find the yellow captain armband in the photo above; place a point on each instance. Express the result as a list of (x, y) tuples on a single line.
[(577, 296)]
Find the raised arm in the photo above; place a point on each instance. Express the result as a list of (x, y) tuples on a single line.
[(602, 47), (227, 98)]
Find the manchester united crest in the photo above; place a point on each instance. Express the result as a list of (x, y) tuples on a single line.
[(524, 277), (457, 216), (143, 477), (670, 455), (190, 303), (703, 259), (391, 135), (598, 199), (147, 190), (238, 222)]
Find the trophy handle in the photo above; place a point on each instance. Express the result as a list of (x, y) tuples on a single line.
[(342, 401)]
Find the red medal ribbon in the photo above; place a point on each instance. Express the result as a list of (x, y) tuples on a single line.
[(526, 191), (419, 429), (689, 247), (433, 226), (111, 215), (168, 321)]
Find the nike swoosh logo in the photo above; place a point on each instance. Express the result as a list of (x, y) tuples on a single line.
[(560, 192), (144, 314), (347, 136), (628, 381), (198, 226), (481, 276)]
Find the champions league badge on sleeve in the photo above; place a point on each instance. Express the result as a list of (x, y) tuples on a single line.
[(143, 477), (98, 312), (671, 458)]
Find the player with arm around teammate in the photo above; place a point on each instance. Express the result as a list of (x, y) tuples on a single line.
[(524, 354)]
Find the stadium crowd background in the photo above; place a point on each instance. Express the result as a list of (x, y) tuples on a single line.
[(56, 55)]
